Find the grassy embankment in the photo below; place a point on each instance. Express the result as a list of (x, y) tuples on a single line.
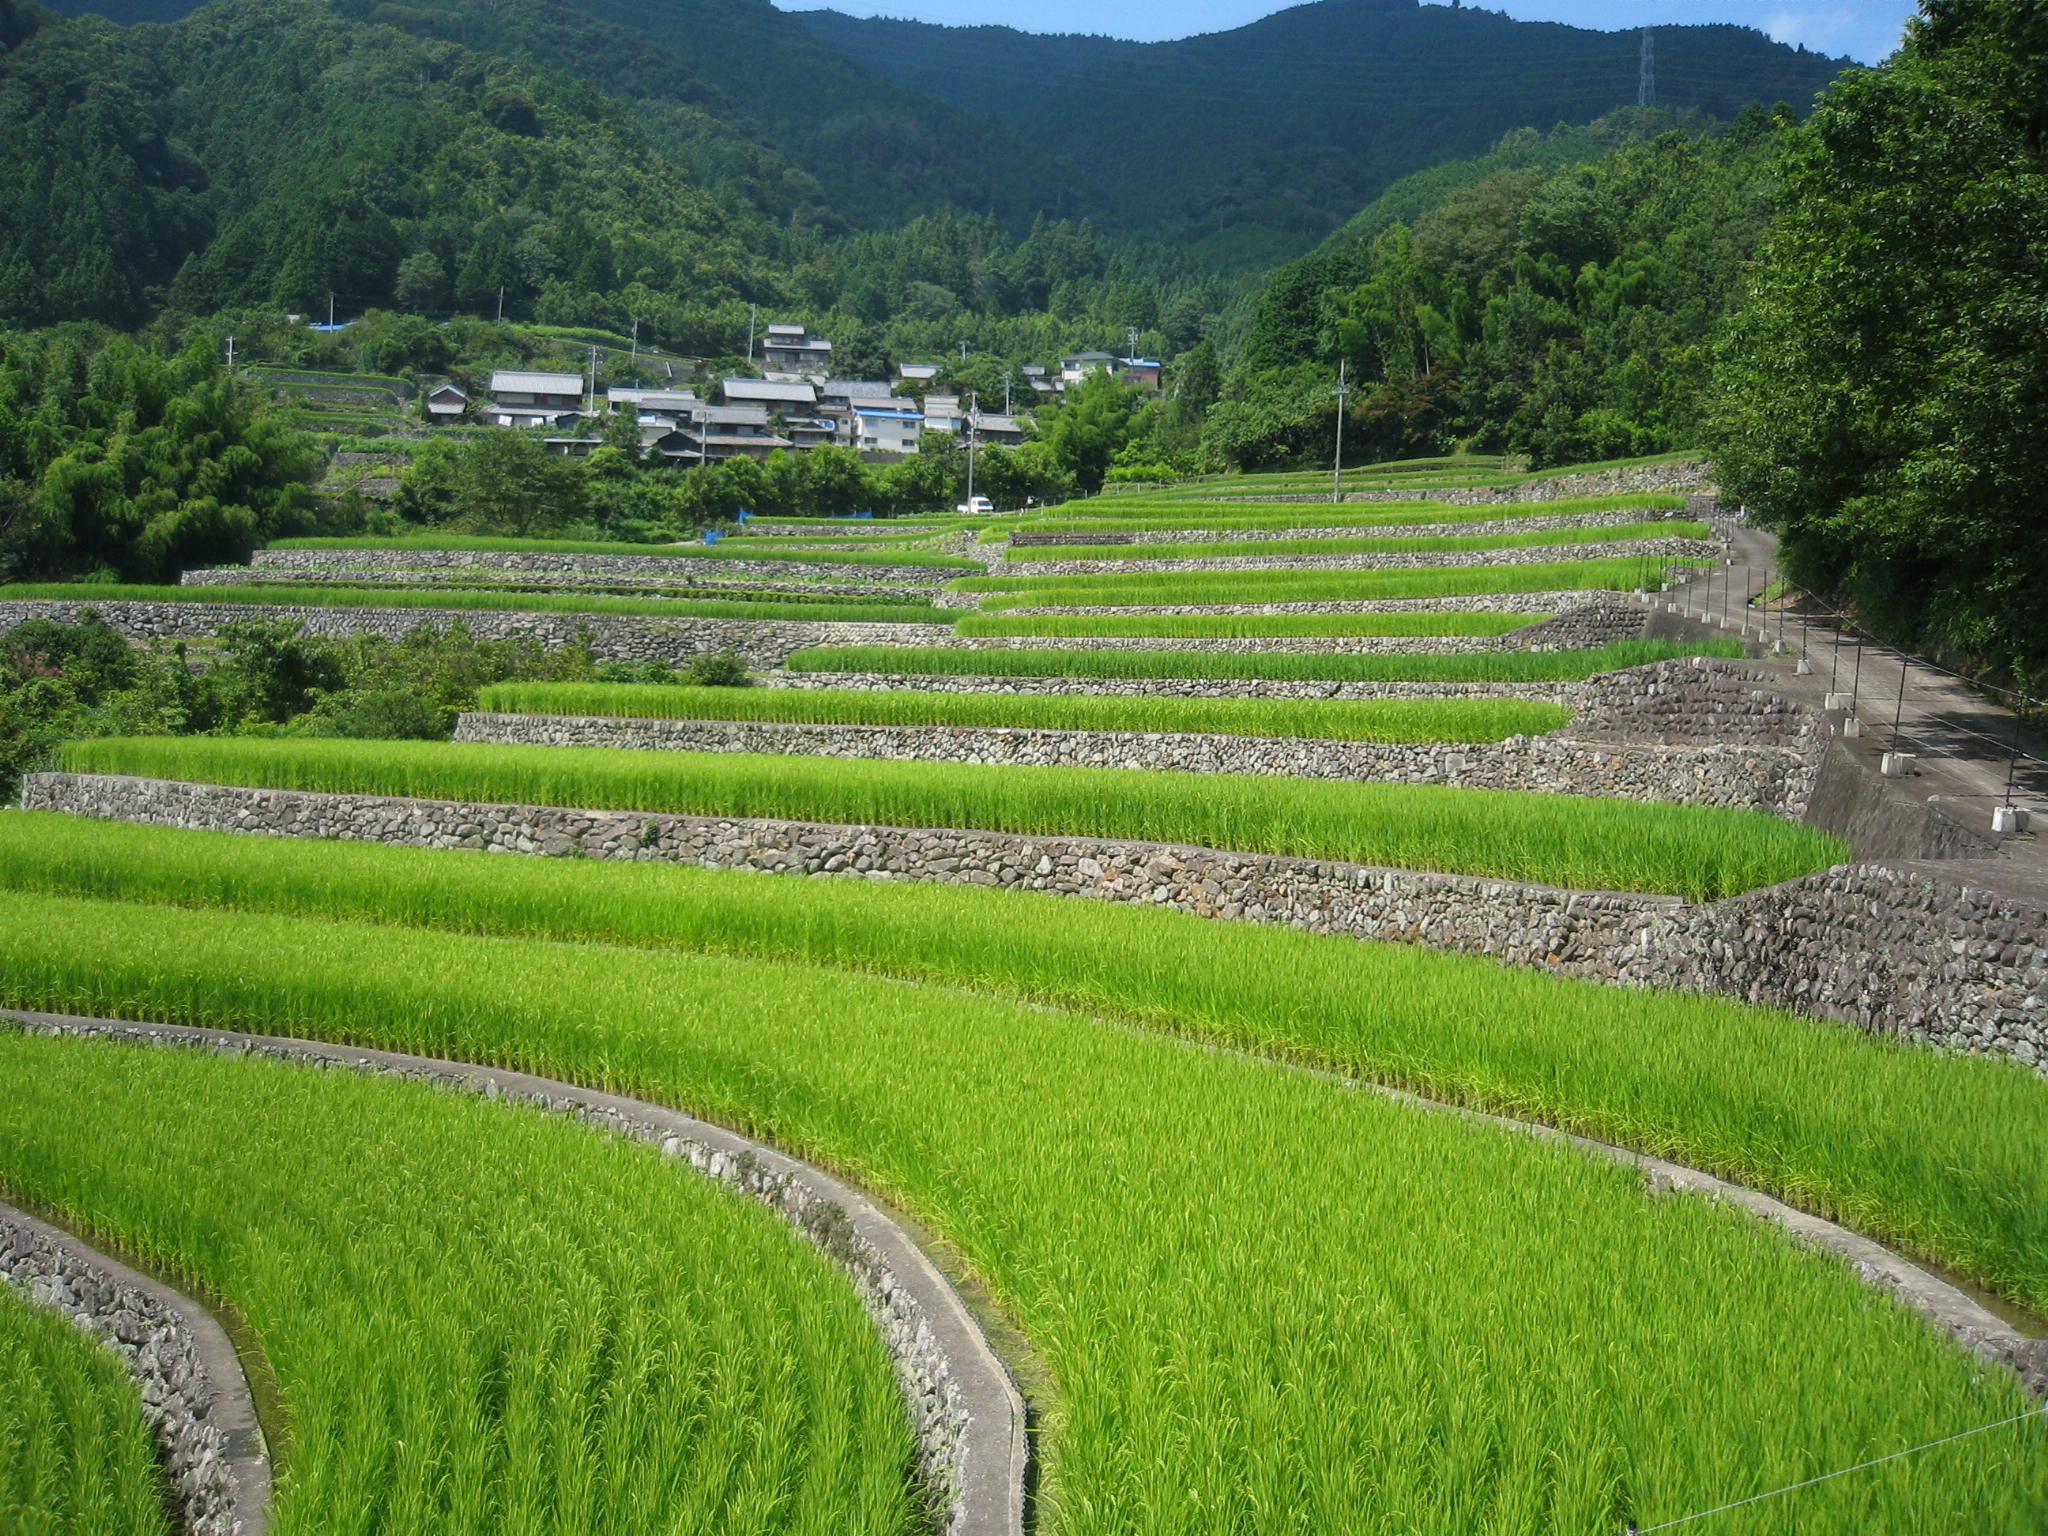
[(75, 1454), (1270, 666), (1388, 720), (470, 601), (1368, 544), (480, 1318), (1587, 843), (441, 541), (1172, 588), (1196, 1242)]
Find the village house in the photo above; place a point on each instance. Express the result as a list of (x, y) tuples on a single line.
[(791, 349), (446, 403), (535, 399), (721, 431), (887, 428)]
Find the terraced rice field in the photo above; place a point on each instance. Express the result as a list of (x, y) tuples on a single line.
[(1119, 588), (1127, 1198), (1390, 720), (480, 1318), (1244, 1291), (75, 1454), (1595, 844), (1272, 666)]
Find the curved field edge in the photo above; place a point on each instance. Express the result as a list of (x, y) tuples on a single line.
[(1580, 842), (1386, 720), (478, 1320), (1937, 1155), (1224, 1234), (75, 1452), (460, 600)]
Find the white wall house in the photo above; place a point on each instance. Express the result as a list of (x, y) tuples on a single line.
[(887, 429)]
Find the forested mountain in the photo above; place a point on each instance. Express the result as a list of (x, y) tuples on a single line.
[(1254, 144)]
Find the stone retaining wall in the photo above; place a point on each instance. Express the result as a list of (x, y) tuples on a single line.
[(1588, 626), (1685, 476), (962, 1405), (204, 1425), (245, 576), (1768, 779), (1476, 602), (1890, 948), (1696, 702), (1038, 540), (611, 637), (1665, 547), (610, 565)]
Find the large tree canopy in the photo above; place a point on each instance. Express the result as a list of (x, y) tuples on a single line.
[(1886, 381)]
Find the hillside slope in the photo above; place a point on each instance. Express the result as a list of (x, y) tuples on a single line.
[(1256, 143)]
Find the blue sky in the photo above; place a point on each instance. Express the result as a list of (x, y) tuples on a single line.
[(1863, 29)]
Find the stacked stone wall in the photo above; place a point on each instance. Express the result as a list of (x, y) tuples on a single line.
[(523, 560), (1690, 475), (1474, 530), (1892, 949), (1668, 548)]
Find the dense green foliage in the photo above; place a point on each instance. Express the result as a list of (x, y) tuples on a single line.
[(1928, 1150), (120, 461), (1278, 666), (1197, 1242), (76, 1458), (1374, 720), (1569, 840), (480, 1318), (65, 681), (1886, 377)]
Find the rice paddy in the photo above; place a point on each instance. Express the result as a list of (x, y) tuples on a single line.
[(480, 1318), (1238, 626), (470, 601), (1246, 549), (1701, 852), (1120, 514), (1389, 720), (1197, 1242), (75, 1454), (1121, 588), (1270, 666)]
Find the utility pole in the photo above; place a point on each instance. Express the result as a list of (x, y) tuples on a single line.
[(636, 344), (1337, 472), (1006, 394), (963, 349), (330, 309), (1646, 71), (501, 303), (753, 314), (231, 354), (590, 396), (1131, 335), (973, 431)]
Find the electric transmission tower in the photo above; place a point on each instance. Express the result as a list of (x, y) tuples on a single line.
[(1646, 72)]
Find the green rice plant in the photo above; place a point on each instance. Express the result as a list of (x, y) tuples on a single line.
[(1273, 666), (1166, 588), (1388, 720), (1237, 515), (1937, 1153), (1236, 626), (75, 1453), (589, 547), (480, 1318), (1269, 1303), (1569, 840), (337, 596), (1250, 549)]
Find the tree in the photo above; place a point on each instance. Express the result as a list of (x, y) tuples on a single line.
[(1885, 381), (505, 482), (1089, 429)]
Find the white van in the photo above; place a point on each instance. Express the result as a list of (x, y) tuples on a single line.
[(976, 506)]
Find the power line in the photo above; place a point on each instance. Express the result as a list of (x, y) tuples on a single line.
[(1756, 1498)]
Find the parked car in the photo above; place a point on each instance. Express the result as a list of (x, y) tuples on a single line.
[(976, 505)]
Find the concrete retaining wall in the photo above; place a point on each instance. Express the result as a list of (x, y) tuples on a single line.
[(1892, 949), (1761, 778), (611, 637), (195, 1397)]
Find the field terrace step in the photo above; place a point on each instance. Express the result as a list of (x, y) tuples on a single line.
[(1913, 950), (251, 576), (1665, 547), (195, 1393), (1173, 687), (1421, 529), (611, 637), (1686, 475), (524, 560), (1473, 602), (1765, 778), (963, 1404)]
